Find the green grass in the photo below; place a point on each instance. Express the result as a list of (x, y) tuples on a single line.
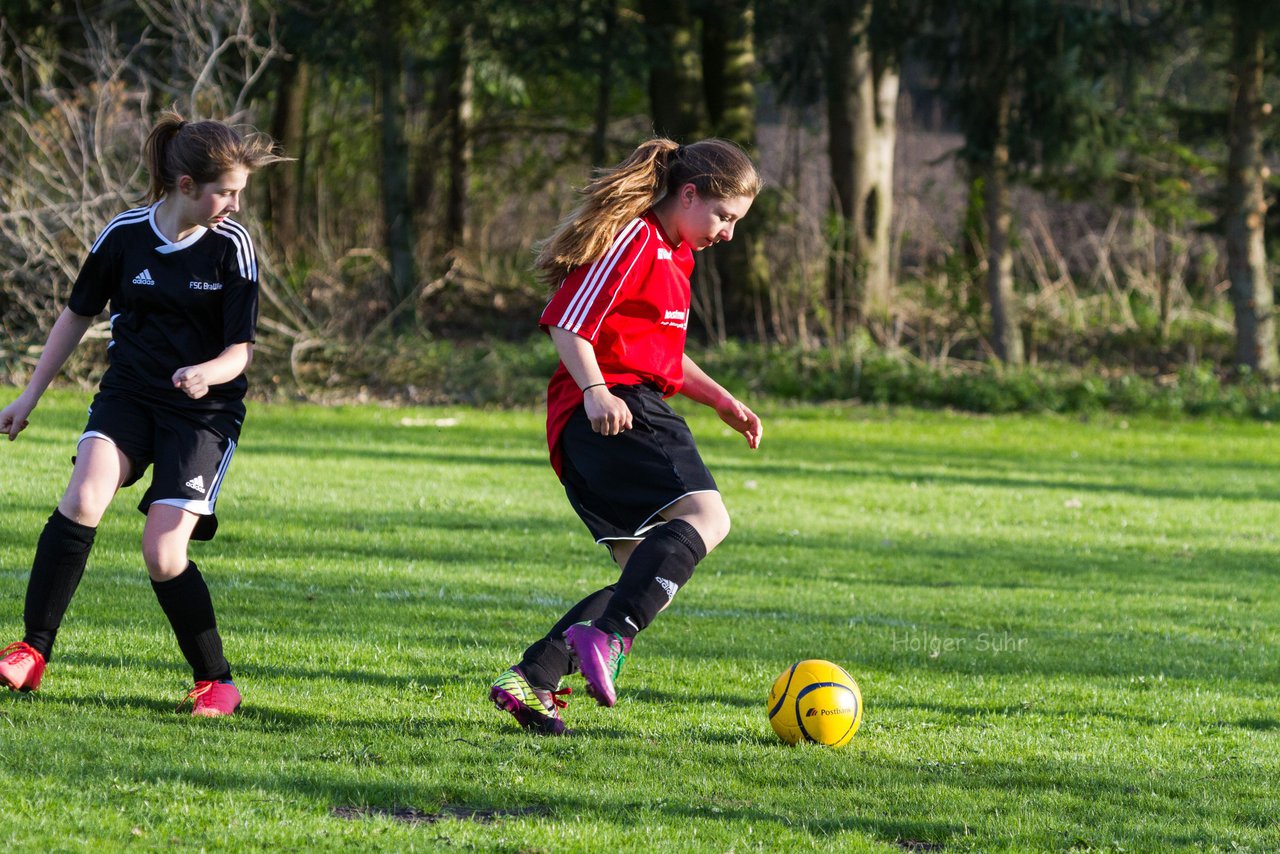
[(1065, 632)]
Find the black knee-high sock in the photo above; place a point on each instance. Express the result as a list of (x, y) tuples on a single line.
[(547, 661), (186, 602), (659, 566), (61, 554)]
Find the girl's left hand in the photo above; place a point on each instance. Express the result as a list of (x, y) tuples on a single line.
[(191, 380), (736, 414)]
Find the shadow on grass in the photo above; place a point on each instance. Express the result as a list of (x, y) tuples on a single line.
[(656, 695), (427, 456), (944, 467), (354, 778), (1259, 724), (263, 674)]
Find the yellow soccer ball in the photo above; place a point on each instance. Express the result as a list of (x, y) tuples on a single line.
[(815, 701)]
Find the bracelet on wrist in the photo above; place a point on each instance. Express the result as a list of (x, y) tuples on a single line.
[(586, 388)]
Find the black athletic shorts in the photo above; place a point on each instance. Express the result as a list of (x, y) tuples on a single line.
[(189, 450), (619, 485)]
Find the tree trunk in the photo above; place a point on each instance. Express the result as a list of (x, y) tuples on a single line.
[(289, 128), (1251, 294), (862, 101), (1006, 335), (728, 69), (842, 158), (456, 232), (396, 212), (876, 123), (604, 84), (673, 68)]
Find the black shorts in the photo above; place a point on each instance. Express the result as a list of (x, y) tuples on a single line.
[(619, 485), (190, 451)]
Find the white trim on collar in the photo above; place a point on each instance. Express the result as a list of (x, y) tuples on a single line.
[(166, 245)]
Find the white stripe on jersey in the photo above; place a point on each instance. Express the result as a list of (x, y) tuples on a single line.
[(597, 273), (135, 215), (248, 259), (627, 272), (600, 269)]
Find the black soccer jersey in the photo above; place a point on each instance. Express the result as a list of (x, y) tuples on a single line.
[(172, 304)]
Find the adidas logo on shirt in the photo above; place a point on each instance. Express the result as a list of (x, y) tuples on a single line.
[(197, 483), (664, 254), (144, 278)]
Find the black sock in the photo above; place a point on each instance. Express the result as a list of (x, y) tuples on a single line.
[(61, 553), (186, 602), (547, 661), (662, 564)]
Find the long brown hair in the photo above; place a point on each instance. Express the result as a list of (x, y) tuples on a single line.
[(203, 150), (717, 168)]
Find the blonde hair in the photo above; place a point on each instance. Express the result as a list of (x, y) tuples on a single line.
[(203, 150), (717, 168)]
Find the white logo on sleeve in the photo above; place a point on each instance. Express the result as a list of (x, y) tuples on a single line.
[(197, 483), (664, 254), (144, 278)]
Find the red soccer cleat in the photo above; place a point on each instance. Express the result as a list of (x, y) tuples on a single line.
[(213, 699), (22, 667)]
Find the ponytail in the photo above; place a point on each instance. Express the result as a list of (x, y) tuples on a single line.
[(717, 169), (153, 153), (203, 150), (613, 199)]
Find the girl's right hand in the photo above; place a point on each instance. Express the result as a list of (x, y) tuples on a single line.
[(13, 418), (608, 414)]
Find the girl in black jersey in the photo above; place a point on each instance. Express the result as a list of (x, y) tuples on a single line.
[(181, 280)]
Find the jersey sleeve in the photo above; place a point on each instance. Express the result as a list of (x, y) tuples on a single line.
[(586, 294), (99, 277), (240, 300)]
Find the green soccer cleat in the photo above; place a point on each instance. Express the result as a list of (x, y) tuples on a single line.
[(535, 709)]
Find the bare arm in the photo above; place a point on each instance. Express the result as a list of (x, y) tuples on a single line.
[(608, 415), (63, 338), (223, 368), (698, 386)]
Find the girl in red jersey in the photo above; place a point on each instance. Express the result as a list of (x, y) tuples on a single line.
[(628, 463), (181, 279)]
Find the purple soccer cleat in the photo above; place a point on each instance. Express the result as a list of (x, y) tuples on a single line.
[(599, 657)]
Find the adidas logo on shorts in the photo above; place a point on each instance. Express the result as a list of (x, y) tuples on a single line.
[(144, 278), (197, 483)]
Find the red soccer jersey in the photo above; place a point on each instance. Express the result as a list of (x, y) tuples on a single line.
[(632, 304)]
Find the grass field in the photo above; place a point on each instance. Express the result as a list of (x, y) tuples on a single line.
[(1067, 636)]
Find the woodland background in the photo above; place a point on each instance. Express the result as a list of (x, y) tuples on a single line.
[(992, 204)]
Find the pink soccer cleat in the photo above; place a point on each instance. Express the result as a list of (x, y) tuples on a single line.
[(213, 699), (22, 667)]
